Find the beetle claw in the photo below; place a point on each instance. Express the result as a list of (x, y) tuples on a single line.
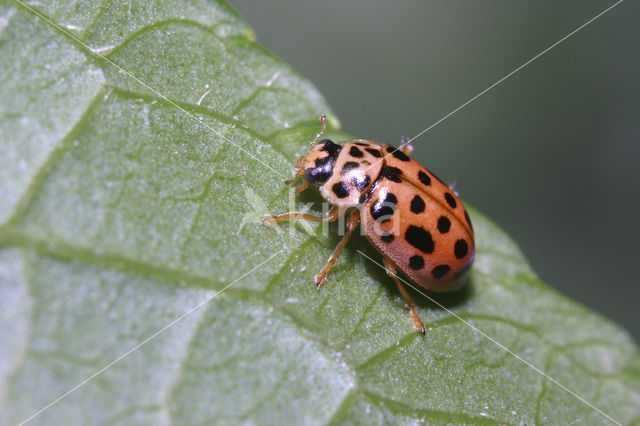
[(318, 280)]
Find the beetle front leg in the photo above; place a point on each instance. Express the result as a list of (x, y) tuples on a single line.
[(302, 185), (332, 215)]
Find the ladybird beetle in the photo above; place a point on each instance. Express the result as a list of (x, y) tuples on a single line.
[(411, 217)]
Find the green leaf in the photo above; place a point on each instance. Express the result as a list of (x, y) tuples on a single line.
[(129, 197)]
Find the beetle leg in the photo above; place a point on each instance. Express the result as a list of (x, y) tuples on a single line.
[(332, 215), (391, 271), (352, 222), (452, 187), (298, 172), (301, 186), (405, 145)]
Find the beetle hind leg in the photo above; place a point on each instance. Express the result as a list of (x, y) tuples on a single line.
[(390, 267), (405, 145)]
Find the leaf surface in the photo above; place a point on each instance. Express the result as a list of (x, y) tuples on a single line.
[(141, 142)]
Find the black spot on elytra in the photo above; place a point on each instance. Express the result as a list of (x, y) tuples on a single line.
[(391, 173), (460, 249), (450, 200), (416, 262), (340, 189), (424, 178), (387, 237), (382, 210), (417, 204), (444, 225), (391, 199), (440, 271), (374, 152), (355, 152), (348, 166), (468, 219), (398, 154), (361, 181), (362, 144), (419, 238)]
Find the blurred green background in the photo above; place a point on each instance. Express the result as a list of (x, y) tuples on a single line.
[(551, 153)]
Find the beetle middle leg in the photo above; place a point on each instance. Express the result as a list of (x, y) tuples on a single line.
[(391, 271), (352, 222), (332, 215)]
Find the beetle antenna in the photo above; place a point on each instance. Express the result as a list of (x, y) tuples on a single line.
[(323, 127)]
